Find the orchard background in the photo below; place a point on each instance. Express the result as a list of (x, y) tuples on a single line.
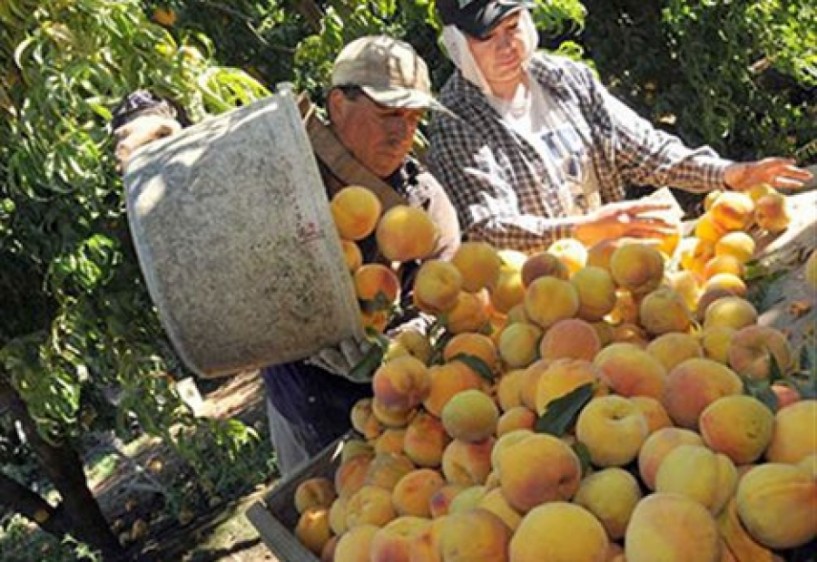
[(87, 376)]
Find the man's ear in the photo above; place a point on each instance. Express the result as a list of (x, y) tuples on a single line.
[(336, 106)]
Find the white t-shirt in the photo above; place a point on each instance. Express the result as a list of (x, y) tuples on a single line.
[(537, 117)]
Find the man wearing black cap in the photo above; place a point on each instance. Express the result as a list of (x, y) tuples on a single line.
[(538, 149)]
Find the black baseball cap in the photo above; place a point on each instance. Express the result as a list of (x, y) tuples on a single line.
[(477, 17)]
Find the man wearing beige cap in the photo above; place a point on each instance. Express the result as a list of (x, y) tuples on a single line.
[(379, 91)]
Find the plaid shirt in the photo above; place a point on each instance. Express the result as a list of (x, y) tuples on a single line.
[(500, 184)]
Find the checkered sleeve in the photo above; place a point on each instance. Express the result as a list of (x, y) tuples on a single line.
[(480, 183), (645, 155)]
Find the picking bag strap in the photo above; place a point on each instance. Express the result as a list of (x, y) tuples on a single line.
[(329, 150)]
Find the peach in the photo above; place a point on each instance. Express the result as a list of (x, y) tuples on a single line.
[(530, 382), (386, 469), (738, 426), (736, 244), (364, 420), (725, 283), (657, 446), (440, 502), (733, 210), (562, 377), (655, 414), (397, 541), (535, 469), (751, 350), (570, 338), (314, 492), (508, 389), (548, 300), (723, 264), (350, 476), (478, 345), (376, 283), (328, 550), (671, 528), (517, 314), (786, 395), (447, 380), (710, 198), (698, 473), (695, 252), (392, 416), (519, 344), (613, 430), (637, 267), (570, 252), (496, 503), (625, 309), (509, 290), (707, 229), (772, 213), (759, 190), (390, 441), (731, 311), (352, 255), (715, 341), (409, 342), (437, 286), (611, 495), (598, 255), (673, 348), (506, 440), (662, 311), (355, 212), (478, 263), (688, 285), (355, 448), (777, 504), (596, 290), (630, 371), (795, 433), (424, 440), (694, 384), (467, 463), (406, 233), (337, 515), (470, 415), (312, 529), (403, 382), (355, 545), (413, 492), (473, 536), (809, 464), (467, 499), (632, 334), (737, 542), (543, 264), (559, 531), (470, 314), (371, 505)]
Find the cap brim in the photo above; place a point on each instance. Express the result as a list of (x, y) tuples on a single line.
[(481, 27), (402, 98)]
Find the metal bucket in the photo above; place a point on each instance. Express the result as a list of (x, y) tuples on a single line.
[(235, 239)]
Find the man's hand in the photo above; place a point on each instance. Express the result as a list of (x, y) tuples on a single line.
[(349, 359), (139, 132), (625, 219), (780, 173)]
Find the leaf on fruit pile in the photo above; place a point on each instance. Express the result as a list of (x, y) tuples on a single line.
[(762, 390), (583, 453), (479, 366), (365, 369), (562, 412)]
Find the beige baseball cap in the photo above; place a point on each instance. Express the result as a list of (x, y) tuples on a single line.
[(388, 70)]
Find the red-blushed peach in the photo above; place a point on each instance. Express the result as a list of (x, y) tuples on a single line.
[(613, 430), (424, 440), (467, 463), (447, 380), (401, 383), (657, 446), (738, 426), (375, 281), (752, 347), (314, 492), (559, 531), (671, 528), (355, 545), (413, 492), (312, 529), (630, 371), (611, 495), (350, 475), (543, 264), (386, 469), (473, 536), (777, 503), (694, 384), (398, 539), (795, 433), (571, 338), (536, 469), (707, 477), (440, 502)]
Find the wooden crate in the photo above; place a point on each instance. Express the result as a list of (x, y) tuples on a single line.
[(274, 515)]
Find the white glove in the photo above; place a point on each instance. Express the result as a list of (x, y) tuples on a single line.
[(349, 359), (139, 132)]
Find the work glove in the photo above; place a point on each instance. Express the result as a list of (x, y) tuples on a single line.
[(139, 132), (354, 359)]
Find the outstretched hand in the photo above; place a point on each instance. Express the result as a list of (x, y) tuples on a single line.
[(780, 173), (139, 132), (633, 219)]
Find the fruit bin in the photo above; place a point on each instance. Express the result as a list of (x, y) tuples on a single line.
[(274, 515)]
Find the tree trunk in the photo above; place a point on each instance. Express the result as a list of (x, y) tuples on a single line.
[(29, 504), (311, 13), (63, 466)]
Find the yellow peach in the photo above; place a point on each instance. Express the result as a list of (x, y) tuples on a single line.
[(657, 446), (355, 211), (548, 300), (571, 338), (738, 426), (694, 384), (559, 531), (695, 471), (795, 433), (478, 263), (406, 233), (611, 495), (613, 429)]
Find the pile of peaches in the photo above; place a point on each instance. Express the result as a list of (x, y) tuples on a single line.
[(578, 404)]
